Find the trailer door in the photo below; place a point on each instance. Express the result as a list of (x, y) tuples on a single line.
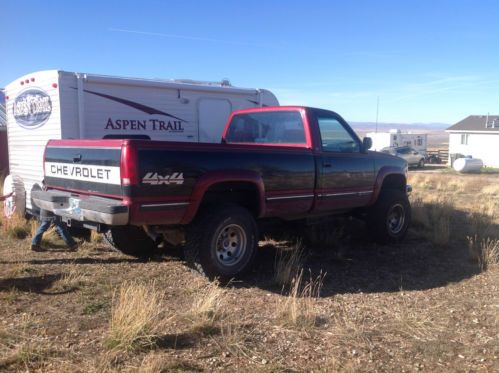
[(213, 114)]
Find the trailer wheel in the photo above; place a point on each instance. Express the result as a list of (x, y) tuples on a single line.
[(222, 243), (13, 187), (131, 240), (389, 218)]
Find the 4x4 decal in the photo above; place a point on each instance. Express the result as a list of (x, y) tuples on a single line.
[(154, 178)]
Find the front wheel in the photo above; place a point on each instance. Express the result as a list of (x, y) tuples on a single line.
[(421, 163), (389, 218), (222, 243)]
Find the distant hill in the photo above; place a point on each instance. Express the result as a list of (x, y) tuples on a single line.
[(384, 127)]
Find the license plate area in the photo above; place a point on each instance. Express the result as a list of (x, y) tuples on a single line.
[(74, 206)]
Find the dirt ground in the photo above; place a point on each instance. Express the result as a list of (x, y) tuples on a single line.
[(421, 305)]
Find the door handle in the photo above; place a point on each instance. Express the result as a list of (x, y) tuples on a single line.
[(326, 164)]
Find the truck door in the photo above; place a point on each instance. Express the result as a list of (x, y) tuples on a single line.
[(213, 115), (346, 173)]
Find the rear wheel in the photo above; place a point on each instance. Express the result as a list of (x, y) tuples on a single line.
[(390, 216), (421, 163), (222, 243), (131, 240)]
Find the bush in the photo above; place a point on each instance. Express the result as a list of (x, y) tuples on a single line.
[(137, 315)]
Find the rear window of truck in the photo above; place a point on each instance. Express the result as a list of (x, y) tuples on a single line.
[(271, 127)]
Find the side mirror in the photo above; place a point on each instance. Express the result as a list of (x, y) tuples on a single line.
[(367, 143)]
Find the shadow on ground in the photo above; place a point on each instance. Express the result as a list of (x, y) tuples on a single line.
[(33, 284), (84, 260), (355, 265)]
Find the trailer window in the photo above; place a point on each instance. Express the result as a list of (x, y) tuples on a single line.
[(276, 127)]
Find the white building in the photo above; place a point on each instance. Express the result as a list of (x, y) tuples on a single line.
[(395, 138), (476, 136)]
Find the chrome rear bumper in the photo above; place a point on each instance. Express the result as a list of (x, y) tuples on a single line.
[(92, 209)]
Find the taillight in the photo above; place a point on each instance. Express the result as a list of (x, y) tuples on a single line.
[(128, 165)]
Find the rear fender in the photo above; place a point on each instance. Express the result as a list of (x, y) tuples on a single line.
[(212, 178)]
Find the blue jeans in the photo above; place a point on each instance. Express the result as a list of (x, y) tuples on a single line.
[(61, 229)]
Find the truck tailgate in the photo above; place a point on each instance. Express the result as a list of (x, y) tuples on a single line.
[(87, 166)]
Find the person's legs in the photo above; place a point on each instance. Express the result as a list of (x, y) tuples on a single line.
[(65, 235), (37, 238)]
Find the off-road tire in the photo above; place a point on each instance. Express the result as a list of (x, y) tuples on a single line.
[(131, 240), (204, 238), (389, 218)]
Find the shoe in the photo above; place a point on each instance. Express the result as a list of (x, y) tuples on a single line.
[(37, 248), (73, 247)]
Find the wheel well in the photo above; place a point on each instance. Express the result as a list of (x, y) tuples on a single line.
[(394, 182), (241, 193)]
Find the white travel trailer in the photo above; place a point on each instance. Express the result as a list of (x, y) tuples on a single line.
[(57, 104), (395, 138)]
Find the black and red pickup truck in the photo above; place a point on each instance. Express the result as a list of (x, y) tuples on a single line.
[(289, 163)]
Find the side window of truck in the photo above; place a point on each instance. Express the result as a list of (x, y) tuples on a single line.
[(271, 127), (335, 138)]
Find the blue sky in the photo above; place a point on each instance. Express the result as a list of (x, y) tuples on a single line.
[(428, 61)]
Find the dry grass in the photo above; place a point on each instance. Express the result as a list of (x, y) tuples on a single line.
[(137, 316), (413, 323), (15, 227), (208, 308), (435, 218), (10, 296), (450, 182), (73, 279), (96, 237), (482, 219), (24, 353), (19, 269), (153, 363), (420, 214), (485, 252), (299, 309), (287, 264), (19, 347), (156, 363), (491, 189), (446, 320), (441, 218)]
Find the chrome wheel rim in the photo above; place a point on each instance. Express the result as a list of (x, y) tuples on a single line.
[(396, 219), (230, 245)]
